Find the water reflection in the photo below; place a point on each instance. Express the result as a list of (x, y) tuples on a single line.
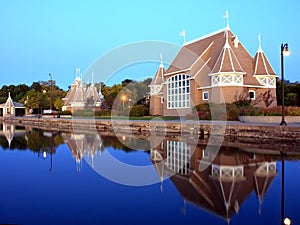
[(82, 145), (43, 143), (221, 188), (224, 185)]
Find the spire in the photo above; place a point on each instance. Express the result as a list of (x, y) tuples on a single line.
[(161, 60), (92, 78), (227, 20), (261, 63), (226, 31), (159, 76), (182, 33), (77, 73)]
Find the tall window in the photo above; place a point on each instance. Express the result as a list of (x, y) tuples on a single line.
[(178, 93)]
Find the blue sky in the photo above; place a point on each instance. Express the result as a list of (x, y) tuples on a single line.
[(42, 37)]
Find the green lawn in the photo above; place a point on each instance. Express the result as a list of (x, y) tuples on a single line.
[(138, 118)]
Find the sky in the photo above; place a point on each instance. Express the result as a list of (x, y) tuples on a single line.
[(42, 37)]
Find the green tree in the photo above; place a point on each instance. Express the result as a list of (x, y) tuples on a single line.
[(58, 104)]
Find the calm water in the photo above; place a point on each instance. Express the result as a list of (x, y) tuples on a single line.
[(64, 178)]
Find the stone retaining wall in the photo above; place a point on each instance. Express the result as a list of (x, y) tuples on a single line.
[(186, 128), (269, 119)]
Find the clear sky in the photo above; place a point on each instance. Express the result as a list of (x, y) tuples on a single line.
[(42, 37)]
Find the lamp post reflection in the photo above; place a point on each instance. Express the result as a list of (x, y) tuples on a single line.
[(282, 187), (284, 221), (47, 150)]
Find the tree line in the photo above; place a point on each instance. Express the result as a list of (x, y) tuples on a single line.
[(39, 95)]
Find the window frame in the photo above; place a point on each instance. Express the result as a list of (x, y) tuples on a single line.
[(178, 91), (251, 91), (203, 95)]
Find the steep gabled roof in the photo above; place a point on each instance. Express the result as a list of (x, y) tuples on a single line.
[(10, 103), (227, 61), (71, 93), (261, 64), (159, 76), (219, 56), (79, 95), (93, 93), (192, 50)]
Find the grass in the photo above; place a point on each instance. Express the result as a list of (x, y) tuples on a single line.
[(138, 118)]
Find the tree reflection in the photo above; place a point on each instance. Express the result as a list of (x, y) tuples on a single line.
[(30, 139)]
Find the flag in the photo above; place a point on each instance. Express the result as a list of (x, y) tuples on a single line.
[(226, 14), (182, 33)]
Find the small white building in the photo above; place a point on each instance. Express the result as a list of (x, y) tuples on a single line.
[(82, 96), (11, 108)]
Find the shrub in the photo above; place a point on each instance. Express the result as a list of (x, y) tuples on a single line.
[(138, 110), (293, 111), (84, 113), (65, 113), (103, 112)]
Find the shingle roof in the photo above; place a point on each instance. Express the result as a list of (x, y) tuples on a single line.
[(10, 103), (219, 55), (227, 61), (261, 64), (92, 93), (159, 76)]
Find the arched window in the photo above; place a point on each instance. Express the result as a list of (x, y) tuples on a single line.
[(178, 91)]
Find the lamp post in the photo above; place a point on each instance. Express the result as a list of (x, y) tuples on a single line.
[(50, 92), (284, 52), (123, 98)]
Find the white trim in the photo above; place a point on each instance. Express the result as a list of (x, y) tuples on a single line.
[(204, 65), (203, 94), (256, 86), (250, 86), (225, 73), (205, 87), (177, 72), (228, 79), (265, 76), (254, 94), (208, 47), (178, 92), (267, 81), (205, 36), (162, 99)]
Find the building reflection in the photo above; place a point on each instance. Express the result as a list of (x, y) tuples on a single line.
[(9, 131), (218, 184), (82, 145)]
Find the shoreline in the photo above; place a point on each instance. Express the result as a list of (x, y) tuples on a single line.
[(159, 127)]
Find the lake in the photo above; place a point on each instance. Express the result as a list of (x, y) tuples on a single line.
[(50, 177)]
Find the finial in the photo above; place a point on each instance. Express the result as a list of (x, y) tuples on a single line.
[(259, 43), (77, 73), (227, 20), (92, 78), (161, 60), (182, 33)]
